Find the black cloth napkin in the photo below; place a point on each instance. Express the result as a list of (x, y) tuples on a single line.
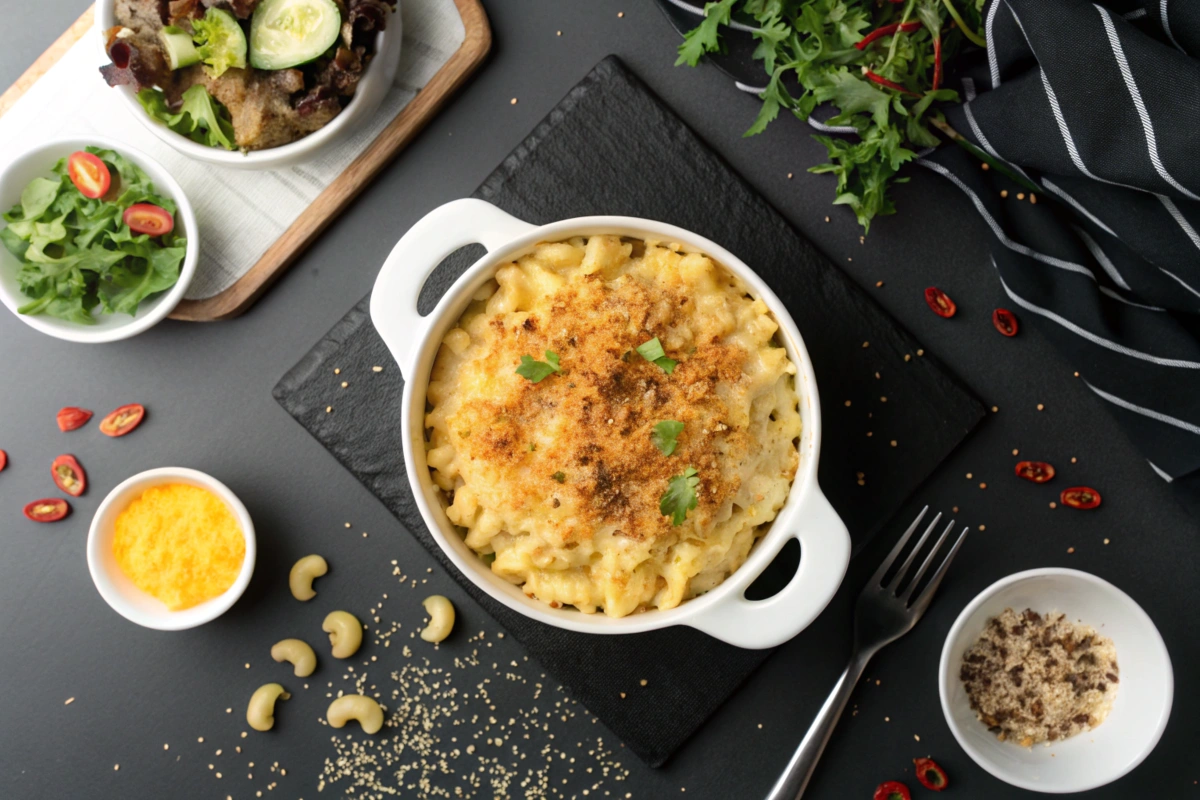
[(1096, 106), (611, 147)]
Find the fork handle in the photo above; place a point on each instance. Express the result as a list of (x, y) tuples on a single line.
[(795, 778)]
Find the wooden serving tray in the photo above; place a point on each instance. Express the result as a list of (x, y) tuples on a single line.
[(337, 195)]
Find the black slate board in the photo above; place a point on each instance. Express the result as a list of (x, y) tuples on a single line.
[(611, 147)]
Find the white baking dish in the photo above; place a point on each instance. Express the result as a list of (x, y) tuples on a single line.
[(413, 340)]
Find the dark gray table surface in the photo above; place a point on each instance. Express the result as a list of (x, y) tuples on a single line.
[(208, 388)]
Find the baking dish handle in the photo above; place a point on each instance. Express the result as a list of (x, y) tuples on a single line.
[(824, 555), (435, 236)]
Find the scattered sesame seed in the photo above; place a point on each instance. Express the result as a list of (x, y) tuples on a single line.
[(376, 369), (907, 357), (200, 739), (881, 399), (166, 746), (985, 166), (878, 284), (866, 344), (995, 409), (918, 738), (620, 14), (116, 767), (968, 476), (982, 485), (347, 524), (827, 219), (983, 527), (328, 409), (893, 442), (848, 258), (847, 404), (344, 384), (920, 352), (512, 102), (1073, 459), (1004, 192), (1053, 504), (869, 434), (1070, 549), (862, 482), (643, 682), (1106, 541), (760, 726), (887, 719), (1020, 195), (247, 667), (789, 176), (1040, 407), (337, 371), (1016, 451), (229, 711), (955, 509), (69, 701), (558, 33), (1033, 198)]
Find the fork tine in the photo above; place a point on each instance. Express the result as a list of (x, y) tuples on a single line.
[(877, 578), (928, 560), (923, 599), (900, 573)]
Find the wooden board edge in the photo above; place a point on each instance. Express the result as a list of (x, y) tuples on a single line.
[(234, 300), (47, 59)]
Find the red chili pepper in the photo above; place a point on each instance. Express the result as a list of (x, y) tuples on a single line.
[(882, 81), (937, 61), (52, 509), (73, 417), (3, 460), (1005, 321), (886, 30), (940, 302), (1083, 497), (1036, 471), (68, 474), (892, 790), (930, 774), (123, 420)]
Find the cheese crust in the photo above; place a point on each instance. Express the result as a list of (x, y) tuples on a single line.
[(560, 480)]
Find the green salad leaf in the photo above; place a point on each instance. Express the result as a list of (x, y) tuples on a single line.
[(808, 49), (680, 496), (201, 117), (77, 253)]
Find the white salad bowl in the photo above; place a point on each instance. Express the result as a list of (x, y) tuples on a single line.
[(37, 163), (115, 587), (1139, 713), (369, 93), (723, 612)]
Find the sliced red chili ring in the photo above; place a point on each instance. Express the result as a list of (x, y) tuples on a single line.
[(930, 774), (1080, 497), (51, 509), (3, 460), (892, 790), (73, 417), (940, 302), (68, 475), (123, 420), (1036, 471), (1005, 321)]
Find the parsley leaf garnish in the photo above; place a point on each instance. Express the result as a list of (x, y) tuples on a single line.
[(559, 476), (680, 496), (653, 351), (706, 36), (536, 370), (665, 434)]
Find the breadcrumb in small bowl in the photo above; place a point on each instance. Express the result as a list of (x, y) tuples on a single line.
[(1047, 644)]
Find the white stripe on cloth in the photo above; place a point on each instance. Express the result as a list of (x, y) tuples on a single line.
[(1145, 412), (1107, 292), (969, 91), (1178, 215), (1165, 476), (1179, 280), (745, 87), (1166, 23), (1079, 206), (1138, 103), (1137, 13), (993, 65), (1084, 333), (698, 11), (1102, 259), (999, 232)]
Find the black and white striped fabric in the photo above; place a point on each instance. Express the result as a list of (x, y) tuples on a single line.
[(1099, 104)]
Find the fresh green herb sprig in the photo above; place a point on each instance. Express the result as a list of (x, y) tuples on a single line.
[(884, 90), (536, 371), (680, 496), (653, 352), (665, 436)]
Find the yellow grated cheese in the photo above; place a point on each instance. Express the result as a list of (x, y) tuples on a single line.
[(180, 544)]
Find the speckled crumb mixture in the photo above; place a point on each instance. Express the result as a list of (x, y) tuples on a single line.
[(1034, 678)]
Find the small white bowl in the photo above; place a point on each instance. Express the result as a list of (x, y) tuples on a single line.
[(368, 95), (37, 163), (116, 588), (1139, 713)]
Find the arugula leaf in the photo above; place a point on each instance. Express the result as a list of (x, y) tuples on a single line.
[(200, 118), (705, 38), (680, 496), (537, 371), (665, 435), (653, 351)]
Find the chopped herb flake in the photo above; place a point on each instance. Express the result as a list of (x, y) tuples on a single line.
[(665, 435), (680, 496), (653, 352), (559, 476), (536, 370)]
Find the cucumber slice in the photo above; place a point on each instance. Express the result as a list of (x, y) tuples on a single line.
[(285, 33), (222, 43), (177, 44)]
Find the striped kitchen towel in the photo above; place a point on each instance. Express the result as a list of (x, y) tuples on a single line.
[(1095, 107)]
